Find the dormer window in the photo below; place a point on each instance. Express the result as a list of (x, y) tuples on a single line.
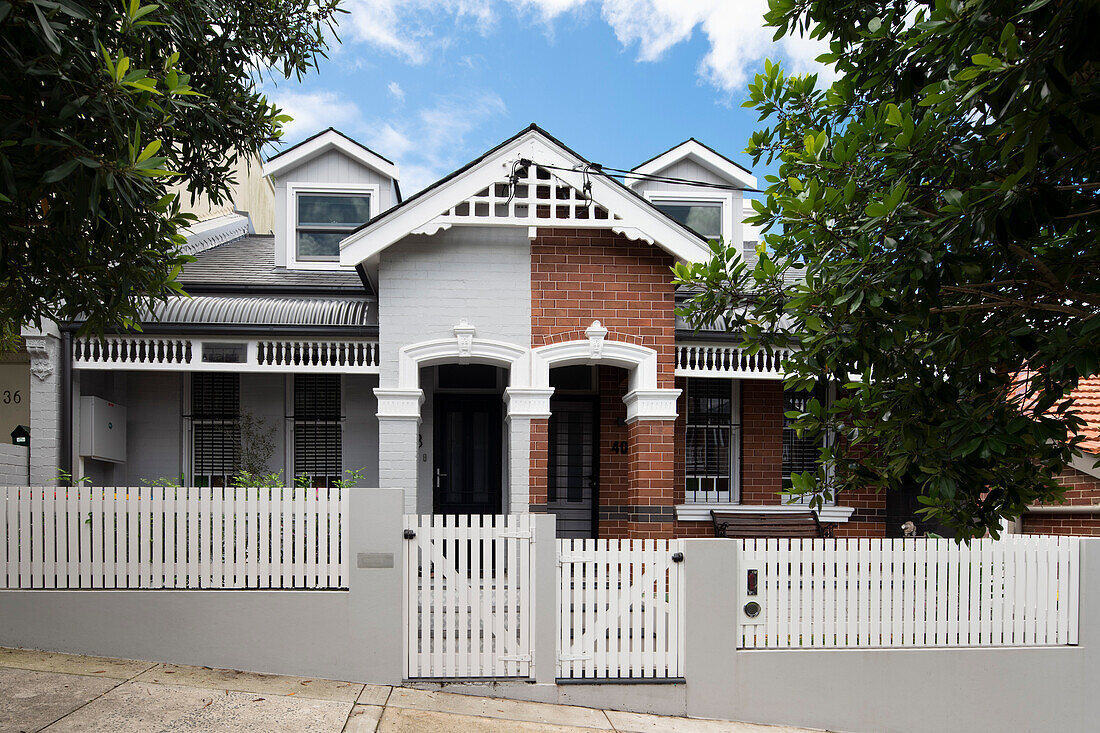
[(324, 219), (702, 217)]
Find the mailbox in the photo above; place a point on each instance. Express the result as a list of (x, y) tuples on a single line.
[(21, 435)]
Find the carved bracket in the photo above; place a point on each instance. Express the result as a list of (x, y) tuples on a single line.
[(38, 349), (465, 333), (596, 334)]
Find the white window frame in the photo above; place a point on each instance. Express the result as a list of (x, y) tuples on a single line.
[(295, 189), (700, 512), (704, 198), (735, 441)]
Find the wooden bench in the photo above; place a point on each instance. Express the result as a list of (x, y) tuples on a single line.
[(741, 525)]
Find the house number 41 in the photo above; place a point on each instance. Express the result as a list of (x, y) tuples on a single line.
[(619, 446)]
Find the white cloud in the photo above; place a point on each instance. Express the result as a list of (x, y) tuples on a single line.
[(432, 141), (405, 28), (314, 111), (734, 30), (426, 143), (396, 90)]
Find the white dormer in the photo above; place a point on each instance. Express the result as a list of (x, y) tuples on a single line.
[(715, 210), (325, 188)]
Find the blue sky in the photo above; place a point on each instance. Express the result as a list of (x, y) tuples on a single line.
[(432, 84)]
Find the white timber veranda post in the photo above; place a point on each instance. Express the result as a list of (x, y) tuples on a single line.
[(376, 575), (544, 600), (711, 625)]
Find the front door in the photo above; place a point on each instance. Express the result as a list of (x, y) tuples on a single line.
[(468, 454), (574, 471)]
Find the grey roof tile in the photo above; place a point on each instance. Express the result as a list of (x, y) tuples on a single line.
[(250, 262)]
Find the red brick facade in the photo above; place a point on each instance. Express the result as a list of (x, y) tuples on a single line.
[(579, 276), (1081, 490)]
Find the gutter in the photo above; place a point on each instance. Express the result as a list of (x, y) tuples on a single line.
[(1064, 509), (235, 330)]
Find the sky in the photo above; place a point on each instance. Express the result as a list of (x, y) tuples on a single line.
[(432, 84)]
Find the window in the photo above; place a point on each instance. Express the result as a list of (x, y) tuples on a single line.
[(215, 427), (705, 219), (318, 435), (324, 219), (713, 436), (800, 454)]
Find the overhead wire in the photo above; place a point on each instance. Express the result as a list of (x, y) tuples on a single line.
[(615, 172)]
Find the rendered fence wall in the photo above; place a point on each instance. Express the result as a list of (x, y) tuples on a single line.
[(154, 537), (468, 596), (621, 609), (1018, 591)]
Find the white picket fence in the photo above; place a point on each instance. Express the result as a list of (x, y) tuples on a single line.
[(621, 613), (182, 538), (468, 590), (867, 593)]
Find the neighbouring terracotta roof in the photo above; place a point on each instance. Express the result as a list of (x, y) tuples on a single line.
[(1086, 402)]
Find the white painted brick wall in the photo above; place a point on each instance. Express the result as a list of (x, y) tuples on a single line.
[(13, 465), (426, 286), (46, 419)]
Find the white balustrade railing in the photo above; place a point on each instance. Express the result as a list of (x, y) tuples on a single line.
[(873, 593), (173, 538), (193, 354), (724, 360)]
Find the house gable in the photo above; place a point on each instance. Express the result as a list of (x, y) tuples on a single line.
[(530, 180), (327, 164), (694, 175)]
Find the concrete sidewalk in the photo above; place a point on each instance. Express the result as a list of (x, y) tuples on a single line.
[(42, 691)]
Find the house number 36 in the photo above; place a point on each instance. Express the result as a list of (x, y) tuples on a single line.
[(619, 446), (12, 397)]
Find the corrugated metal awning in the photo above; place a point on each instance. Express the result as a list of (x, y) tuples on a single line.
[(266, 311)]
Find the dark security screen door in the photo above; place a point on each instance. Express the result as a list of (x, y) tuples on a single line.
[(468, 455), (574, 472)]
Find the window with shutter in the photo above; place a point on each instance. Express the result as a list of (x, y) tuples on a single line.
[(800, 454), (711, 441), (318, 434), (215, 427)]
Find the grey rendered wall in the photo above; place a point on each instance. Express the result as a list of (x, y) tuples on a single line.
[(353, 635), (14, 465), (896, 690), (153, 435), (361, 426), (329, 167), (264, 396)]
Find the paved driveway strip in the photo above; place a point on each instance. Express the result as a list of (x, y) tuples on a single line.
[(55, 693)]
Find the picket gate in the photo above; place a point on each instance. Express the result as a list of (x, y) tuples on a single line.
[(173, 538), (621, 609), (467, 599), (873, 593)]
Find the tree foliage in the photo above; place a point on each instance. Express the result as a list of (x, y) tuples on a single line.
[(102, 105), (939, 204)]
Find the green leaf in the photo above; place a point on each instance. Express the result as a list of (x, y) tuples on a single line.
[(47, 30), (60, 172)]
